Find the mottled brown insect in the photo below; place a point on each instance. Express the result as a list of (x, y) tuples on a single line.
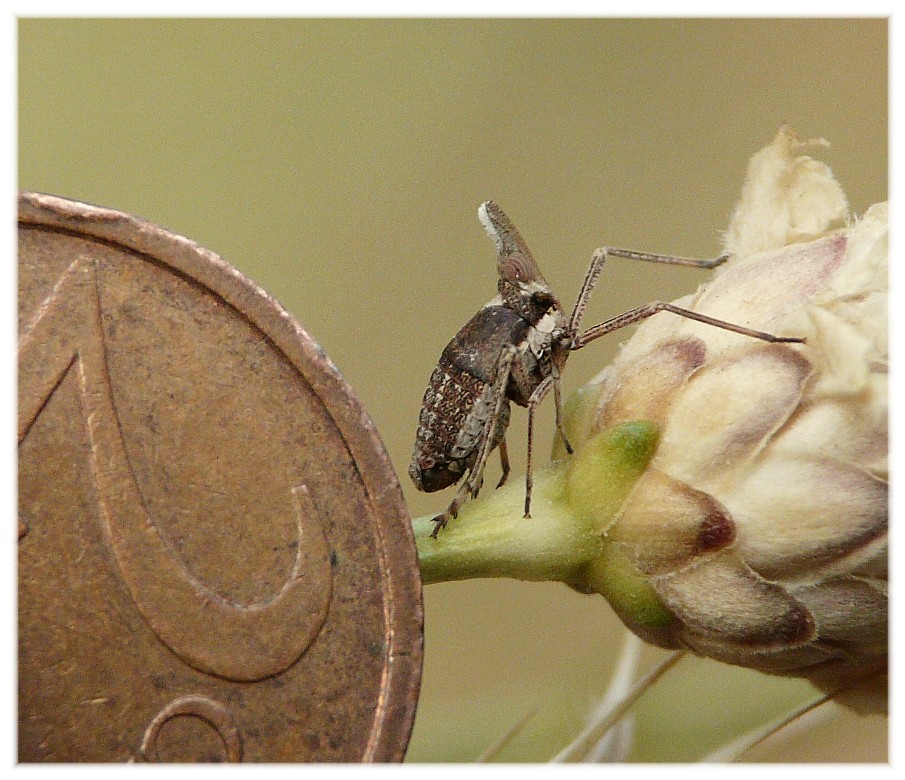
[(513, 351)]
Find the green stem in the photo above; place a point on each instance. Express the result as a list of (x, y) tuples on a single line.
[(573, 504), (490, 538)]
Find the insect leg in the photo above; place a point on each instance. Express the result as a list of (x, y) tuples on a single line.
[(649, 257), (533, 402), (504, 462), (648, 310), (557, 398), (540, 392), (472, 482), (599, 258)]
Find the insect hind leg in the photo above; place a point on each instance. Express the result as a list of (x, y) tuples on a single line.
[(504, 463)]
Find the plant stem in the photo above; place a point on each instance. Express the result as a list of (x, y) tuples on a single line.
[(491, 538), (574, 502)]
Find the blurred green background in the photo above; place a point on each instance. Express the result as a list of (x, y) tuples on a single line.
[(340, 163)]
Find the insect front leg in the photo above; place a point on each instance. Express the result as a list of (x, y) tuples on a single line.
[(557, 399), (596, 267), (648, 310), (540, 392), (472, 482)]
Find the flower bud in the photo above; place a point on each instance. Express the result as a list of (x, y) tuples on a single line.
[(759, 526)]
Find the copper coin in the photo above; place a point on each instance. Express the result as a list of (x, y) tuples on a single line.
[(215, 560)]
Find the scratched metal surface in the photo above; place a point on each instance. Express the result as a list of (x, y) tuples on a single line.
[(215, 560)]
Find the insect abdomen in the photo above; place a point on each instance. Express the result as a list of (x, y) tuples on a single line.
[(459, 402), (456, 407)]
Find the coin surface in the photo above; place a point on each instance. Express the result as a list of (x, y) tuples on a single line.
[(215, 561)]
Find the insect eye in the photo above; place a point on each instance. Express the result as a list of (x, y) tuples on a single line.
[(542, 300)]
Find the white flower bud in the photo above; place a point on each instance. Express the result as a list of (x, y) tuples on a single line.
[(761, 521)]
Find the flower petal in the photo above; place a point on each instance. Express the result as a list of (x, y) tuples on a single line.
[(723, 599), (851, 613), (797, 517), (801, 659), (866, 266), (786, 197), (840, 352), (647, 387), (666, 524), (765, 290), (816, 428), (727, 409)]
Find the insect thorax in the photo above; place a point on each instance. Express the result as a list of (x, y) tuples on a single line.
[(541, 343)]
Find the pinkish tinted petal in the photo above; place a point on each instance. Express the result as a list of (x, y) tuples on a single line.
[(796, 518), (647, 387), (728, 409), (722, 598), (666, 524), (851, 613)]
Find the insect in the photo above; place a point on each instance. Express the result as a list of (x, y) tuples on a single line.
[(513, 351)]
